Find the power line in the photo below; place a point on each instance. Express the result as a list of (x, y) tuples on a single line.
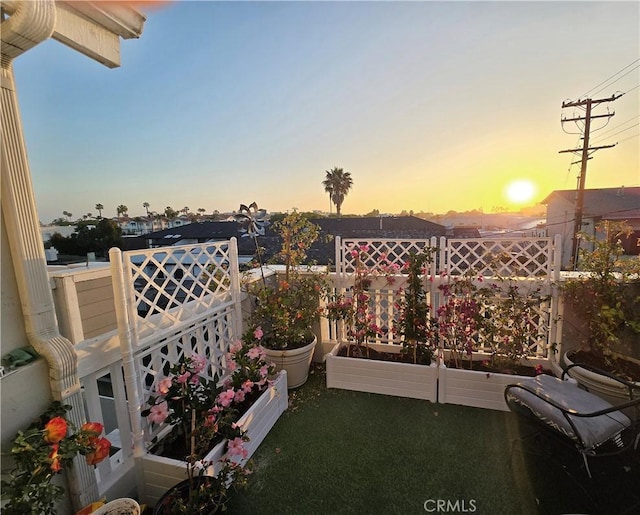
[(609, 78), (609, 85), (630, 137), (619, 132), (586, 152)]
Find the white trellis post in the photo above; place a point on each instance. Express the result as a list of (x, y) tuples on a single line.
[(125, 333), (234, 271)]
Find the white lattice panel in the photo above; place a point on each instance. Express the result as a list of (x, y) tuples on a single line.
[(395, 252), (209, 338), (171, 285), (523, 257), (527, 260), (537, 339)]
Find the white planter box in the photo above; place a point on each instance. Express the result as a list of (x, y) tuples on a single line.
[(474, 388), (384, 377), (160, 474)]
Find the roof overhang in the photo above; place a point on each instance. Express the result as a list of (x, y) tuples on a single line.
[(91, 28)]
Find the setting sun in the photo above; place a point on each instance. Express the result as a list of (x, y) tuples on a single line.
[(520, 191)]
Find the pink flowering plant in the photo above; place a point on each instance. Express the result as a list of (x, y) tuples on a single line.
[(286, 310), (495, 314), (461, 320), (414, 323), (355, 307), (202, 413)]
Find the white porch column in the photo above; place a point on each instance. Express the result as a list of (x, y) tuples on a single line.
[(31, 23)]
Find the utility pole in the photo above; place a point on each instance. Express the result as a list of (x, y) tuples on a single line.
[(585, 150)]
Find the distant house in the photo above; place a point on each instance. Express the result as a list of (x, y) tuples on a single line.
[(620, 204), (400, 227), (145, 224)]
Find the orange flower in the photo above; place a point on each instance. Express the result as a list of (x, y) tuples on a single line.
[(56, 460), (55, 430), (100, 451), (92, 428)]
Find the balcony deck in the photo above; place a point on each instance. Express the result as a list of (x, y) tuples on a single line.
[(338, 451)]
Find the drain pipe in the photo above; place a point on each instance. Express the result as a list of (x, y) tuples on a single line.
[(31, 22)]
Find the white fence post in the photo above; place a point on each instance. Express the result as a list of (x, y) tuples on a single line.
[(126, 349), (234, 271)]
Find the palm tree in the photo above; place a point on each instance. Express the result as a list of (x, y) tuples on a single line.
[(337, 184), (67, 214), (146, 206), (122, 209), (99, 207), (185, 210), (328, 186)]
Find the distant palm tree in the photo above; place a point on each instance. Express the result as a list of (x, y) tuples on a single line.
[(337, 184), (201, 211), (122, 210), (185, 210), (146, 206), (67, 214), (99, 207)]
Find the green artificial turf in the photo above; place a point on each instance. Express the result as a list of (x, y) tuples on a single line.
[(337, 451)]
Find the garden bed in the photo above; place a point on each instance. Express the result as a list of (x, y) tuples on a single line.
[(479, 387), (160, 473), (382, 376)]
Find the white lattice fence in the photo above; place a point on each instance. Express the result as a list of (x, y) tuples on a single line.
[(170, 286), (208, 338), (523, 257), (173, 302), (395, 252), (532, 264), (385, 260)]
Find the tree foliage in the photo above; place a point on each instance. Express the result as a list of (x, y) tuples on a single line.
[(88, 238)]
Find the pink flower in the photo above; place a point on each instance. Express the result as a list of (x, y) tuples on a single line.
[(235, 347), (183, 378), (226, 397), (231, 365), (199, 363), (247, 386), (539, 369), (236, 448), (264, 371), (254, 352), (163, 386), (194, 380), (210, 420), (239, 396), (159, 413), (258, 333)]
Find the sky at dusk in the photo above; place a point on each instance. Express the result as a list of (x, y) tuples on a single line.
[(431, 106)]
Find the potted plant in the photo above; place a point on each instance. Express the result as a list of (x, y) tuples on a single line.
[(285, 311), (604, 298), (206, 431), (41, 453), (359, 363)]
